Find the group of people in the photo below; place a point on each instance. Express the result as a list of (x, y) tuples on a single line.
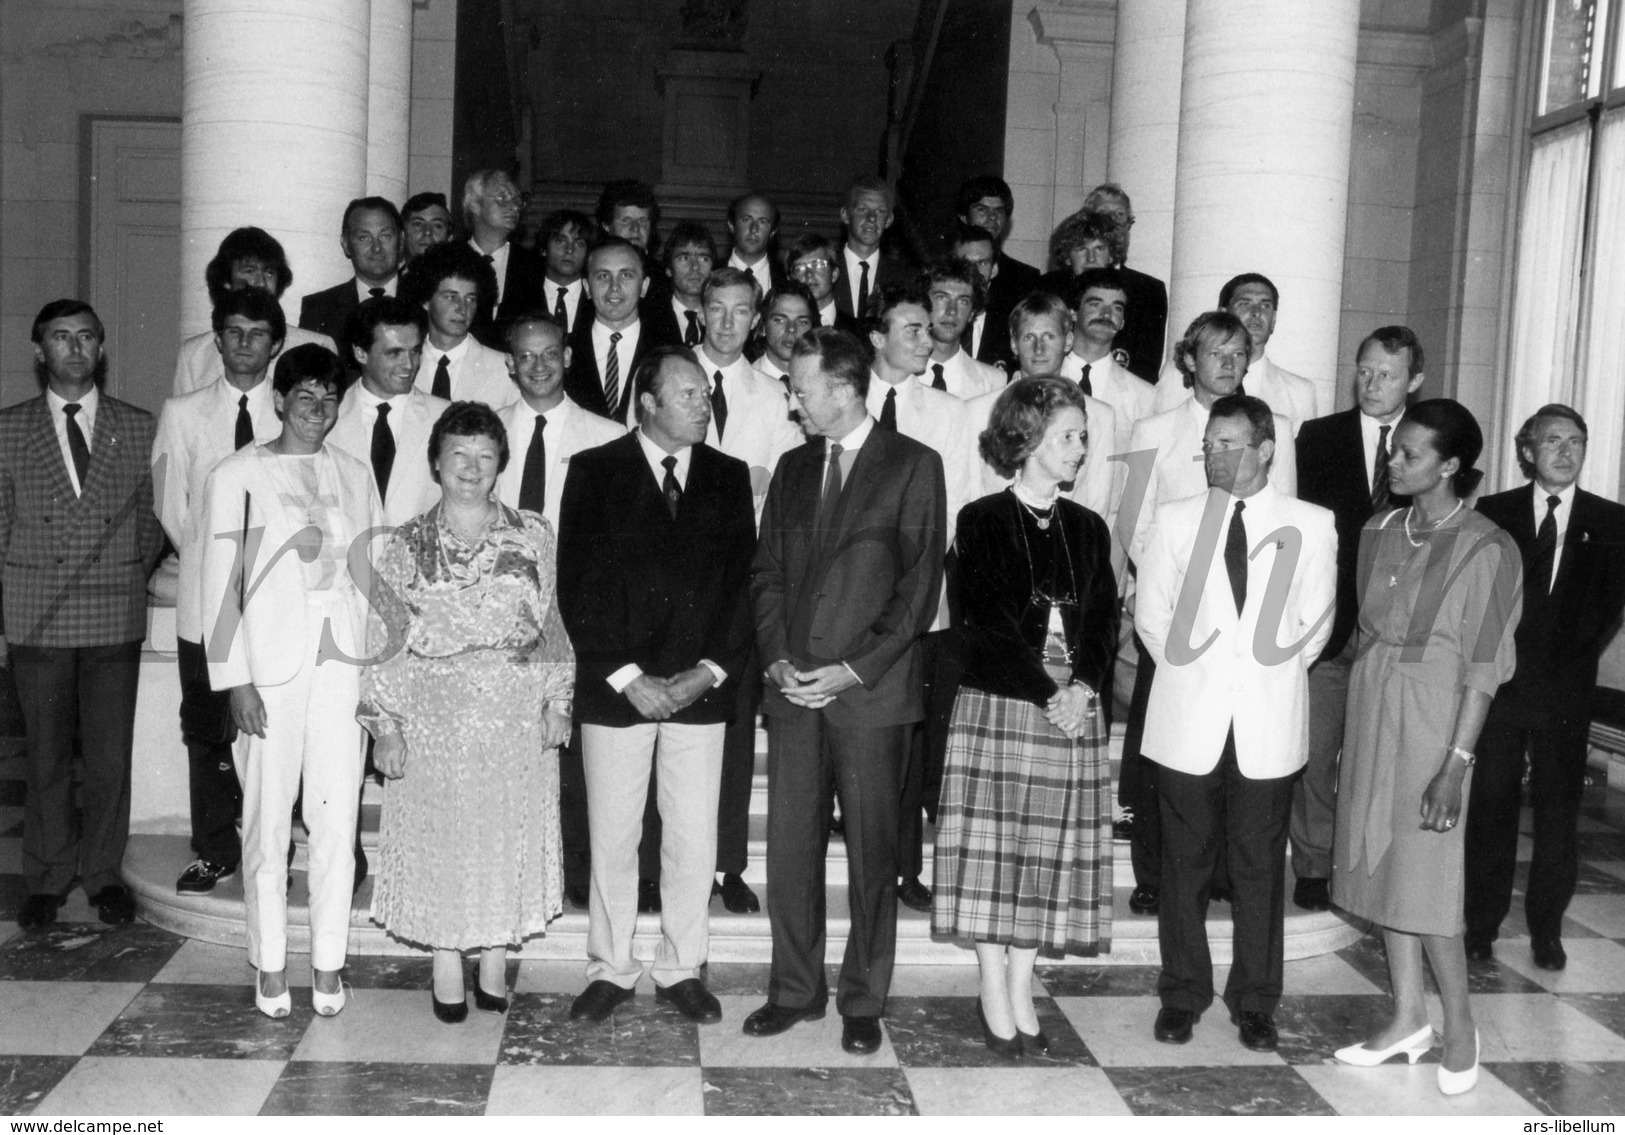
[(539, 534)]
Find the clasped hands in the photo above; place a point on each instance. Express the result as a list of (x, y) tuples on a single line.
[(811, 689), (1070, 710), (660, 698)]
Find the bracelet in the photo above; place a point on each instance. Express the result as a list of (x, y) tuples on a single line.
[(1467, 757)]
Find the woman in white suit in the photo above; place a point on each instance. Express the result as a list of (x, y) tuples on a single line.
[(287, 624)]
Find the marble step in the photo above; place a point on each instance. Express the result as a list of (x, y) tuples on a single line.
[(152, 863)]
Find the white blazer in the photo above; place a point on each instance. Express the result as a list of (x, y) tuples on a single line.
[(481, 375), (1129, 395), (267, 646), (412, 490), (965, 377), (198, 362), (578, 430), (1290, 395), (1213, 674)]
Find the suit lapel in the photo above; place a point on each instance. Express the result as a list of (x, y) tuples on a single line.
[(47, 452), (104, 449), (1576, 543)]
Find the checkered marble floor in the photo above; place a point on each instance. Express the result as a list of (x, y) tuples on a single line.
[(136, 1021)]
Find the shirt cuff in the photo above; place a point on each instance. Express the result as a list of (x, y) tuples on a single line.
[(852, 672), (625, 676), (718, 672)]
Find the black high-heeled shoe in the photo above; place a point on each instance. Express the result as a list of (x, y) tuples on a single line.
[(1037, 1041), (489, 1001), (998, 1045), (450, 1012)]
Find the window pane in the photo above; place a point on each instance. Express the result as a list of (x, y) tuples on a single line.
[(1569, 42)]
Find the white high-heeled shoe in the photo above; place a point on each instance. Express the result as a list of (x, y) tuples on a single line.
[(326, 1004), (1455, 1083), (1412, 1046), (275, 1007)]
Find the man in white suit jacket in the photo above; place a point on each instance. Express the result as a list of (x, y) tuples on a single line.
[(957, 293), (1101, 312), (1236, 593), (454, 283)]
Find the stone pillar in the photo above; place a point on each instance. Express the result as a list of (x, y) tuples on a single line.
[(274, 134), (1144, 151), (1080, 34), (1266, 117), (389, 98)]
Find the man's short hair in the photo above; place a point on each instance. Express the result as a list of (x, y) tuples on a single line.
[(475, 188), (789, 288), (308, 362), (1111, 189), (1213, 324), (1077, 230), (806, 245), (453, 259), (754, 195), (423, 202), (1228, 292), (65, 309), (255, 305), (841, 357), (383, 311), (726, 277), (888, 300), (966, 233), (627, 191), (247, 243), (1525, 438), (960, 270), (689, 234), (1107, 278), (364, 204), (870, 185), (608, 243), (646, 375), (974, 189), (1039, 305), (560, 220), (1260, 418), (1394, 339)]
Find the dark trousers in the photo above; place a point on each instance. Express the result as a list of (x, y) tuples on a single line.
[(1557, 759), (1223, 815), (1137, 778), (942, 660), (88, 691), (216, 795), (804, 753)]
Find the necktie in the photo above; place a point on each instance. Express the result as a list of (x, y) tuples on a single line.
[(691, 336), (383, 449), (719, 403), (612, 375), (375, 293), (245, 425), (442, 378), (1546, 545), (1083, 381), (561, 314), (1379, 473), (832, 491), (669, 485), (863, 289), (937, 381), (888, 412), (533, 482), (77, 446), (1235, 557)]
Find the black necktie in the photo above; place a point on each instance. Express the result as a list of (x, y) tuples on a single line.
[(612, 375), (832, 491), (77, 446), (1379, 472), (719, 403), (888, 412), (863, 289), (383, 449), (937, 381), (669, 485), (561, 314), (691, 336), (1083, 381), (376, 293), (1235, 557), (1546, 545), (533, 482), (245, 425), (442, 378)]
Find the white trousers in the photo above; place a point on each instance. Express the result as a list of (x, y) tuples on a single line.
[(688, 764), (310, 731)]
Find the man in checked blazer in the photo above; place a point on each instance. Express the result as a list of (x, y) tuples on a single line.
[(78, 536), (1573, 546)]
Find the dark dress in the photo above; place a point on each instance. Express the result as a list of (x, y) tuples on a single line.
[(1023, 852)]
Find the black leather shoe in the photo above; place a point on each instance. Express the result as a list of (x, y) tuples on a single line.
[(114, 904), (648, 896), (1174, 1025), (1549, 952), (489, 1002), (692, 999), (449, 1012), (1256, 1030), (914, 894), (1312, 894), (1123, 828), (736, 895), (577, 896), (1034, 1042), (996, 1044), (771, 1019), (1144, 900), (598, 1001), (201, 875), (38, 911), (860, 1035), (1479, 950)]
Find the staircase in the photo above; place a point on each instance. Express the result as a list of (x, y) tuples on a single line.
[(153, 862)]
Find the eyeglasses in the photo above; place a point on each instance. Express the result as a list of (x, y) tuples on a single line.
[(807, 267), (1562, 444), (503, 200)]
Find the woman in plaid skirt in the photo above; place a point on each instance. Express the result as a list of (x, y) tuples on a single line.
[(1023, 854)]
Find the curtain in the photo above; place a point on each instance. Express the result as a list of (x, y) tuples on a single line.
[(1602, 383)]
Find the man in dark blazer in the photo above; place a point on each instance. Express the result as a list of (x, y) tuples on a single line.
[(655, 537), (1145, 330), (371, 236), (78, 537), (753, 222), (1343, 466), (986, 337), (986, 203), (845, 581), (866, 268), (1573, 546), (492, 208), (814, 260), (605, 350)]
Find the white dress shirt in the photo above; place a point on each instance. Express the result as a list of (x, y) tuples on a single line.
[(761, 270), (363, 291), (87, 425), (573, 292), (977, 327), (1565, 510), (682, 314), (570, 429), (499, 264), (854, 274), (1130, 397), (828, 312), (1370, 434), (478, 373), (624, 350), (768, 367), (964, 377)]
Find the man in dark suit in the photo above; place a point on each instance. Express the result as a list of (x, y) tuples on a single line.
[(655, 538), (814, 260), (605, 351), (675, 314), (492, 208), (1145, 330), (753, 222), (371, 236), (1573, 546), (1343, 466), (987, 203), (845, 581), (78, 537), (425, 222), (986, 337), (867, 213), (564, 239)]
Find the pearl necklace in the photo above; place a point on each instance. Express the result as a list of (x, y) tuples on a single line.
[(1433, 527), (1021, 492)]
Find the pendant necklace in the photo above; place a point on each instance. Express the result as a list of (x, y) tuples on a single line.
[(1041, 518)]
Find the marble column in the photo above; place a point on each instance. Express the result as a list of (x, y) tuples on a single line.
[(1265, 123), (274, 134), (1080, 34), (389, 98), (1144, 151)]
